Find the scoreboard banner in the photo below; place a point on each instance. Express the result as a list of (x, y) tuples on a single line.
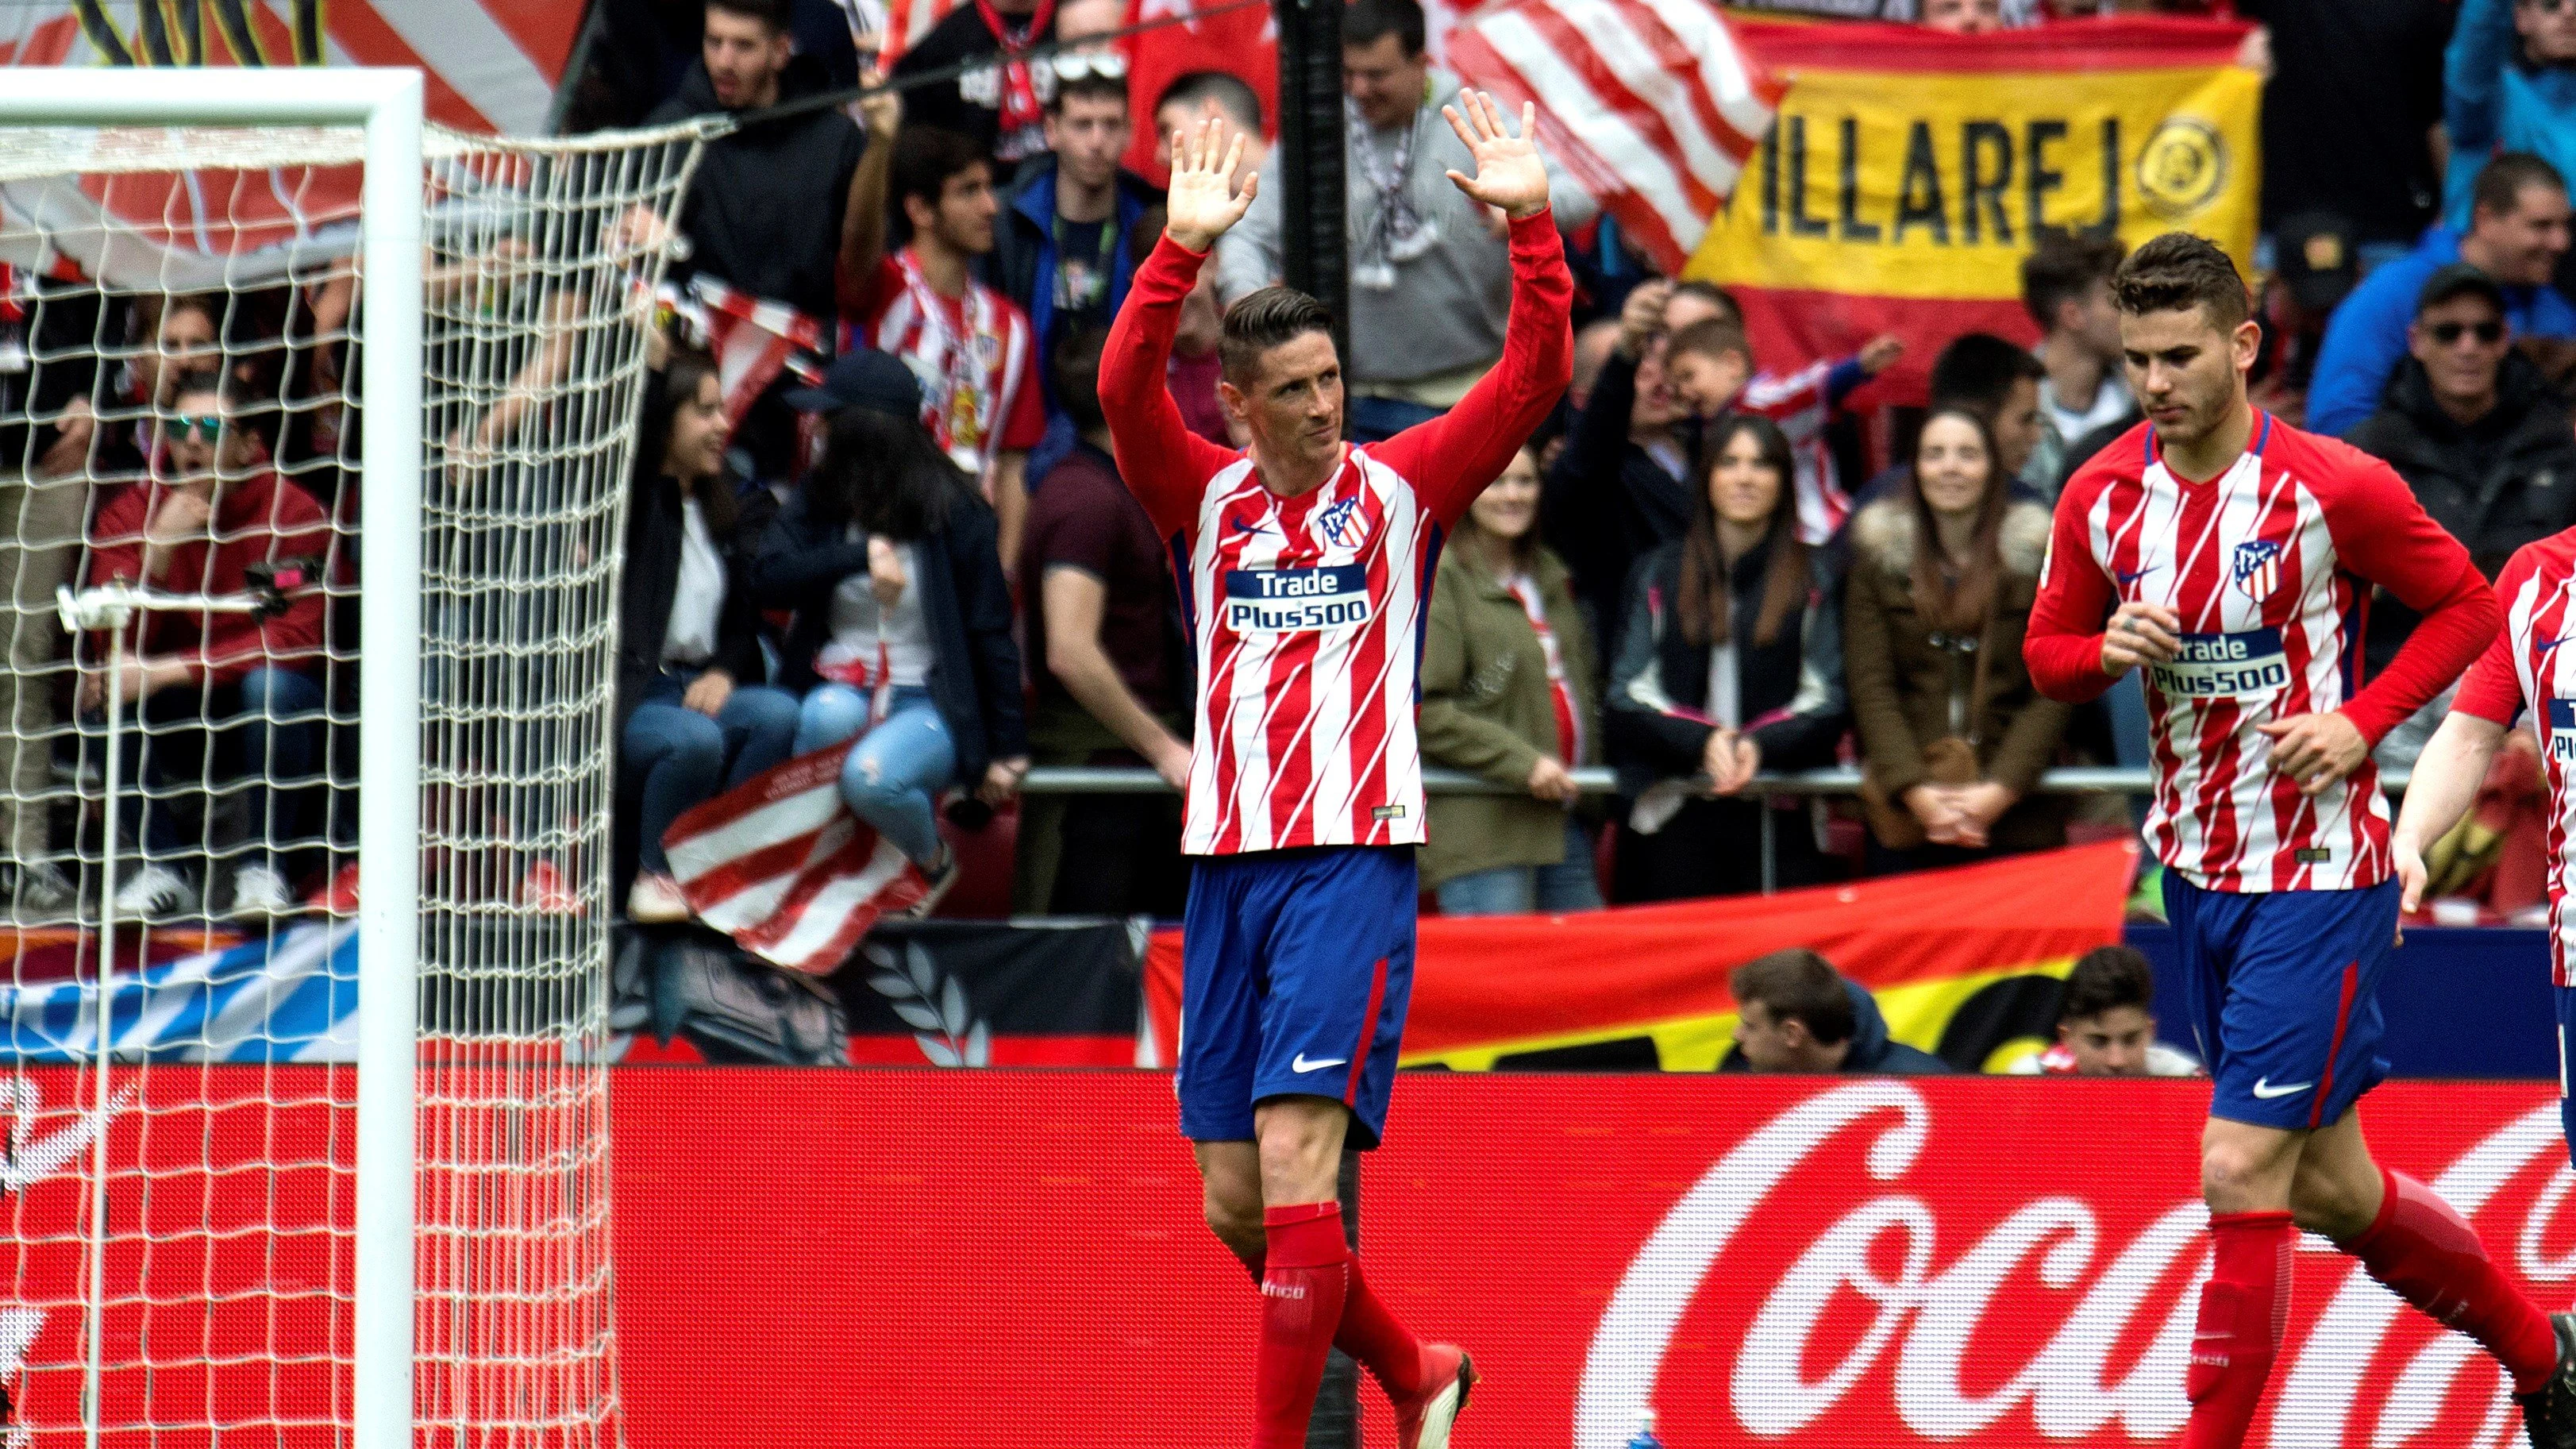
[(923, 1260), (1965, 964), (1909, 172)]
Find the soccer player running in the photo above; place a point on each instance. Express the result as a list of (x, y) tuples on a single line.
[(2229, 556), (1306, 565)]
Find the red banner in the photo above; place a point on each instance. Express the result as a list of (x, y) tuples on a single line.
[(952, 1261)]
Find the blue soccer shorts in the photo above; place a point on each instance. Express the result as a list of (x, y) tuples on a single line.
[(2566, 997), (1295, 969), (2283, 994)]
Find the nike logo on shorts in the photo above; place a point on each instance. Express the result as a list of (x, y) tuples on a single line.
[(2264, 1089), (1303, 1065)]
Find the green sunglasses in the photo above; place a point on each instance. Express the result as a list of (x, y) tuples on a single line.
[(207, 429)]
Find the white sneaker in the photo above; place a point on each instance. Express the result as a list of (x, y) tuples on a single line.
[(155, 893), (258, 890), (940, 877), (44, 893), (656, 901)]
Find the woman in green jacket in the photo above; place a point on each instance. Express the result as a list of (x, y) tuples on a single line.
[(1508, 693)]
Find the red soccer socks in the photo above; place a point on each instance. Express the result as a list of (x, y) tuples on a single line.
[(1304, 1281), (2428, 1255), (2242, 1310), (1371, 1335)]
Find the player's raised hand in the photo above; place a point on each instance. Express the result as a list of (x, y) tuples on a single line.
[(1202, 203), (1509, 173), (2316, 749), (2140, 633)]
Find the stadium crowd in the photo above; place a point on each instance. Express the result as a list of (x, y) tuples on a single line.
[(1708, 566)]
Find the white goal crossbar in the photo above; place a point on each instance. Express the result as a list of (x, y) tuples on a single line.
[(387, 104)]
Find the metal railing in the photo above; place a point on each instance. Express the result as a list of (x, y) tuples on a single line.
[(2079, 780)]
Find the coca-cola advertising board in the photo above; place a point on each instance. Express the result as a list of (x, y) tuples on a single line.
[(942, 1260)]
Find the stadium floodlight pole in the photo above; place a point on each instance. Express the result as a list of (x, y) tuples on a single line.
[(1314, 161), (386, 103)]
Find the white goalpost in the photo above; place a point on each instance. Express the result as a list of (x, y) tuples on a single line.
[(335, 1169)]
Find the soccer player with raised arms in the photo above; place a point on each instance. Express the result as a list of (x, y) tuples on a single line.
[(1305, 565), (2230, 557)]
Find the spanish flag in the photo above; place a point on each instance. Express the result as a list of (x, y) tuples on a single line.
[(1965, 964), (1909, 172)]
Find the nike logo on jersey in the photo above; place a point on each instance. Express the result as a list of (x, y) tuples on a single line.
[(1303, 1065), (2127, 577), (2264, 1090), (1244, 524)]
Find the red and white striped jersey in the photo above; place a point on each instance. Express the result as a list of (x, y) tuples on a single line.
[(973, 355), (2270, 567), (1802, 405), (2527, 666), (1307, 613)]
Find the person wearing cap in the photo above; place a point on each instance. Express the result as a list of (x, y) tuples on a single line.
[(2517, 234), (888, 555), (2472, 427)]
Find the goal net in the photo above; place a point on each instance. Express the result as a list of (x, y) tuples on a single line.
[(185, 578)]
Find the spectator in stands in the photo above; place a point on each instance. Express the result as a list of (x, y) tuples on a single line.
[(46, 432), (1801, 1015), (2106, 1024), (1430, 269), (1963, 17), (693, 718), (1594, 342), (1060, 250), (971, 345), (213, 695), (1729, 663), (1205, 95), (903, 618), (772, 210), (1952, 736), (1112, 675), (2517, 233), (999, 104), (2509, 85), (1508, 694), (2066, 287), (1618, 492), (2000, 383), (1695, 302), (2473, 429), (1713, 372)]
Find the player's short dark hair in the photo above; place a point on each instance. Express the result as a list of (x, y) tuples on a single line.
[(1977, 372), (2177, 271), (773, 13), (927, 157), (2107, 978), (1798, 985), (1711, 337), (1091, 85), (2502, 181), (1264, 319), (1240, 102), (2063, 267), (1364, 21), (1074, 368), (1713, 294)]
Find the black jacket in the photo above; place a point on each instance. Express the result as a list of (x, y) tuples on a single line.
[(1607, 503), (653, 529), (966, 603), (2506, 480), (764, 212), (1873, 1051), (1790, 691)]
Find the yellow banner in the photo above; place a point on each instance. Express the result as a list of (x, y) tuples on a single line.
[(1929, 183)]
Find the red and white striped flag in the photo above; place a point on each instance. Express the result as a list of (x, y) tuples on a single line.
[(752, 340), (781, 865), (1650, 103)]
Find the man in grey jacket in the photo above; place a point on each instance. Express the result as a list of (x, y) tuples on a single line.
[(1431, 272)]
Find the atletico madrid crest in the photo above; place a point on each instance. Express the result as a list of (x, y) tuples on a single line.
[(2256, 568)]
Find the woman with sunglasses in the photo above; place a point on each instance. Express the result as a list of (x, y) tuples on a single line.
[(217, 696)]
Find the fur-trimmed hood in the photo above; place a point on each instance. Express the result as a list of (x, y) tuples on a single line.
[(1884, 533)]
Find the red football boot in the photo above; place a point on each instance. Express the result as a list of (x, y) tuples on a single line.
[(1422, 1421)]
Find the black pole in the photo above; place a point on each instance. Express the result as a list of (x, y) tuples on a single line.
[(1313, 159)]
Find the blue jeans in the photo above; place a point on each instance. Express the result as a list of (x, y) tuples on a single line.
[(1518, 890), (682, 757), (1376, 419), (263, 731), (890, 778)]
